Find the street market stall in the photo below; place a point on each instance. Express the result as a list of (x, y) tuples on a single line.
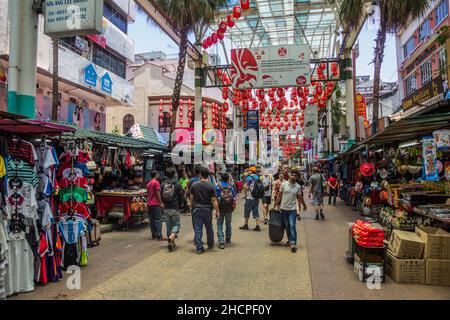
[(118, 167)]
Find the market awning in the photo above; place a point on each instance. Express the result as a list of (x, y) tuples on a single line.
[(147, 134), (409, 128), (18, 125)]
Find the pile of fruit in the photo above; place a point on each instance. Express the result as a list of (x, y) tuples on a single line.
[(366, 235)]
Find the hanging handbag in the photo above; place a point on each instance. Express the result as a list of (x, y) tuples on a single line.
[(91, 165)]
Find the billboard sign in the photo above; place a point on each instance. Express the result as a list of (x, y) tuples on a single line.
[(67, 18), (268, 67), (311, 129)]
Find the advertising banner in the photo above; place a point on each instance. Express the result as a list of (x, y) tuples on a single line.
[(442, 138), (67, 18), (431, 171), (361, 105), (276, 66), (311, 122)]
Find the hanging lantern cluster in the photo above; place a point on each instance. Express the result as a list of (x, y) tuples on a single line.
[(224, 25), (190, 113)]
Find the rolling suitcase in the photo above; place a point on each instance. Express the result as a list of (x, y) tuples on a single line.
[(94, 234), (276, 226)]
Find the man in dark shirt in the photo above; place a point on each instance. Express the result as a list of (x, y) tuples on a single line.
[(172, 195), (203, 200)]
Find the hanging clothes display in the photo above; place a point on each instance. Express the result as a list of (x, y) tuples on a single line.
[(3, 254)]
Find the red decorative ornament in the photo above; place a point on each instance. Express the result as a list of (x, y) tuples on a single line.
[(223, 26), (225, 93), (205, 44), (230, 21), (245, 4), (237, 12), (280, 92), (214, 38), (220, 35)]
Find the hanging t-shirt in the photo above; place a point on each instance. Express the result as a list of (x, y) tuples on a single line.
[(46, 169), (2, 167), (82, 166), (81, 182), (23, 150), (77, 207), (79, 194), (23, 171)]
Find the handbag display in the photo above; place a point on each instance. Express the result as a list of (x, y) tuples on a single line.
[(91, 165)]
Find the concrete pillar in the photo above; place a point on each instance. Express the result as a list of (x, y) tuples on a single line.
[(23, 58), (349, 96), (330, 125)]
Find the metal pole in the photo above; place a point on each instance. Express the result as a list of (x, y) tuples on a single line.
[(198, 127)]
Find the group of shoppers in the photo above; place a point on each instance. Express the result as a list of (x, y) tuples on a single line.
[(204, 196)]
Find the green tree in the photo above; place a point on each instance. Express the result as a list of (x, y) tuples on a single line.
[(188, 17), (115, 130), (394, 15)]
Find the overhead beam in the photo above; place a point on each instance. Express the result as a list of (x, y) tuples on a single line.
[(152, 10)]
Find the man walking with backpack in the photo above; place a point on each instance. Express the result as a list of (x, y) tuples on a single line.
[(316, 191), (203, 199), (254, 191), (172, 195), (226, 195)]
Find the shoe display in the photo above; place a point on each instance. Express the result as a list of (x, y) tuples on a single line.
[(257, 228), (244, 227)]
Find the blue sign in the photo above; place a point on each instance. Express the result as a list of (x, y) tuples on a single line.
[(106, 83), (90, 75), (252, 123)]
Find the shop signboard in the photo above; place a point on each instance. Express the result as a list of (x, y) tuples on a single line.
[(90, 75), (106, 83), (431, 172), (442, 138), (361, 105), (268, 67), (430, 93), (311, 129), (68, 18)]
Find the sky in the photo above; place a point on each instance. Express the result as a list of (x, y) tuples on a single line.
[(150, 38)]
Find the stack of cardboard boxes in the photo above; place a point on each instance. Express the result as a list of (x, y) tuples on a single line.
[(420, 257)]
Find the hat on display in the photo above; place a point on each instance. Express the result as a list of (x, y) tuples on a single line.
[(414, 169), (368, 202), (383, 173), (402, 169), (384, 184), (367, 169), (384, 195), (252, 169)]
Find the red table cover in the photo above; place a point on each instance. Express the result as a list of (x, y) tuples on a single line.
[(104, 203)]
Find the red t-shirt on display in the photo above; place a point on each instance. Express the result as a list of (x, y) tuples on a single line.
[(152, 188)]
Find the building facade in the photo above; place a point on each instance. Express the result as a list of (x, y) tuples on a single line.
[(92, 69), (422, 59), (153, 78)]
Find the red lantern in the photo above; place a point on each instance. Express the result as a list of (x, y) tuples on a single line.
[(319, 90), (220, 35), (261, 94), (280, 92), (209, 41), (306, 90), (214, 38), (334, 67), (230, 21), (237, 12), (223, 26), (205, 44), (225, 94), (245, 4)]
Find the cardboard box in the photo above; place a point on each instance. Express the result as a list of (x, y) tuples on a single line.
[(408, 271), (438, 272), (406, 245), (437, 242)]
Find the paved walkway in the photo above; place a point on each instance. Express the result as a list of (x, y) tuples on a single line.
[(128, 265)]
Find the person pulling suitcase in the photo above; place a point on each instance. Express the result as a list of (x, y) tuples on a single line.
[(290, 196)]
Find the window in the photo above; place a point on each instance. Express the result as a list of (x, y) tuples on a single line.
[(115, 17), (441, 12), (128, 122), (424, 30), (426, 72), (408, 48), (164, 127), (109, 61), (410, 84)]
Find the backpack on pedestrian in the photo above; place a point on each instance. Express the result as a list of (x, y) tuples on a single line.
[(168, 192), (226, 202), (257, 189)]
